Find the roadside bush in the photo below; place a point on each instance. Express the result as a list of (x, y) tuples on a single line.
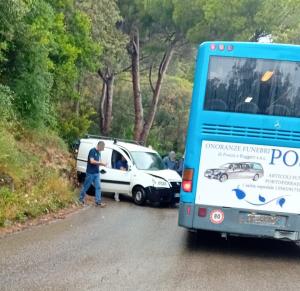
[(11, 160), (73, 127), (39, 165), (6, 104)]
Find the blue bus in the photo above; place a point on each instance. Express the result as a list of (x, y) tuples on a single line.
[(242, 162)]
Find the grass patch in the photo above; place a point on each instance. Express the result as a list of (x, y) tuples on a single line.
[(36, 162)]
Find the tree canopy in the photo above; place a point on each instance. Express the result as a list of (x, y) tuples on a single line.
[(120, 68)]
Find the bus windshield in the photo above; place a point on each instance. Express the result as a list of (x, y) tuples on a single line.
[(257, 86), (148, 161)]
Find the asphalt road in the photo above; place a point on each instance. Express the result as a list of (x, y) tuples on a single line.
[(126, 247)]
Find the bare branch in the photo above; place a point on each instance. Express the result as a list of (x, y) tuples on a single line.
[(100, 73), (150, 79), (124, 70)]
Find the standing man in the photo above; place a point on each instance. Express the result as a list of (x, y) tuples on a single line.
[(93, 174), (170, 161)]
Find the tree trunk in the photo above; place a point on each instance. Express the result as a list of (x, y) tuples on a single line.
[(109, 102), (156, 93), (135, 71), (102, 107), (105, 107)]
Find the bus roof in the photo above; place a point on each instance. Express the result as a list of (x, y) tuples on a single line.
[(275, 51)]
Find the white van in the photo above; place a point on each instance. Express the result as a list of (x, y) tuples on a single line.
[(146, 178)]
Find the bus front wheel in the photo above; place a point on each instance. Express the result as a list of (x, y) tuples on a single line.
[(223, 178), (256, 177)]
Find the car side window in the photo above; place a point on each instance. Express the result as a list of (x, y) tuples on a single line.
[(235, 167), (118, 161), (257, 167)]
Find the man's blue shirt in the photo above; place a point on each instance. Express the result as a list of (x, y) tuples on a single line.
[(170, 164), (91, 168)]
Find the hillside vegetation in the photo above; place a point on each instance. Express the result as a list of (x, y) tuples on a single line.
[(35, 172)]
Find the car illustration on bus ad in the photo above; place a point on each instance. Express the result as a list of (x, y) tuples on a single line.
[(243, 170)]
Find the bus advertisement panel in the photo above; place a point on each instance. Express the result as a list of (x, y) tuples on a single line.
[(248, 176)]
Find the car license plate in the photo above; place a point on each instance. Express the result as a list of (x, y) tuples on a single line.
[(177, 195), (262, 219)]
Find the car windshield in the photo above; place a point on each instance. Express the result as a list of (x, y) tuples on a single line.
[(148, 161), (225, 166)]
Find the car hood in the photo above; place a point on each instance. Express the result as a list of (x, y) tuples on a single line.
[(169, 175)]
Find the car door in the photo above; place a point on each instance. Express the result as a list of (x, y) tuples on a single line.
[(245, 171), (114, 180), (237, 171)]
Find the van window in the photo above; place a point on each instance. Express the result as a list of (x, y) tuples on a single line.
[(105, 157), (115, 158)]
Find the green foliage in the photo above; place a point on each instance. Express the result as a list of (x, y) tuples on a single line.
[(282, 19), (32, 161), (6, 104), (11, 160), (169, 129), (46, 48), (214, 19), (50, 194), (105, 16), (74, 127)]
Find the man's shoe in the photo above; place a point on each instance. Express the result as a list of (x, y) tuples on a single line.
[(100, 204)]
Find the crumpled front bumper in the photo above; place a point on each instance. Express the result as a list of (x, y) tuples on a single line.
[(168, 195)]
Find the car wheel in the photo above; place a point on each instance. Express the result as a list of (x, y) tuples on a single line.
[(256, 177), (139, 195), (223, 178)]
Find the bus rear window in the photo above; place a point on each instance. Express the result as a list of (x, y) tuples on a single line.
[(257, 86)]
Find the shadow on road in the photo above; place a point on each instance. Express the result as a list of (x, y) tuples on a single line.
[(127, 199), (251, 247)]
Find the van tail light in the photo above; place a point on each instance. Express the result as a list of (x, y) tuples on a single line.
[(187, 180)]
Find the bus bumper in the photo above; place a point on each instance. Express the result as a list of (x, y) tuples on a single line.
[(241, 222)]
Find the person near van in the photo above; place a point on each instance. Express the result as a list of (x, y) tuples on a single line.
[(93, 174), (179, 169), (170, 161), (123, 166)]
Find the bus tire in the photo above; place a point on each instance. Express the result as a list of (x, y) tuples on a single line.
[(256, 177), (223, 178), (139, 195)]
